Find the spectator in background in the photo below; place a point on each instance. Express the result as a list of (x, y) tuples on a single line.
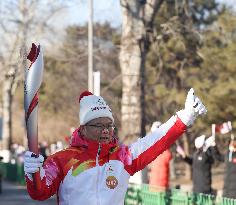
[(229, 190), (1, 158), (53, 148), (43, 149), (201, 162), (59, 146), (13, 150), (159, 168), (17, 152), (67, 138)]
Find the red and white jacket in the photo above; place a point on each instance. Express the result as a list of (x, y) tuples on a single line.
[(98, 174)]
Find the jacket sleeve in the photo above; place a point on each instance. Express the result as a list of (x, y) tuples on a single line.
[(216, 154), (188, 160), (146, 149), (51, 177)]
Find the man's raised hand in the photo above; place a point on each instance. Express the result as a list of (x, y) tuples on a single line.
[(193, 108)]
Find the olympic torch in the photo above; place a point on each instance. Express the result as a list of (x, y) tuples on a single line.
[(33, 80)]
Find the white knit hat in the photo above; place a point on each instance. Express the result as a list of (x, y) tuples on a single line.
[(92, 107), (199, 141), (155, 125)]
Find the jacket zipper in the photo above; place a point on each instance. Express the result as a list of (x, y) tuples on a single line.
[(98, 172)]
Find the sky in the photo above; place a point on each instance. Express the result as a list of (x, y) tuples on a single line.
[(106, 10)]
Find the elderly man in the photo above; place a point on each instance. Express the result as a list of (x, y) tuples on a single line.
[(95, 169)]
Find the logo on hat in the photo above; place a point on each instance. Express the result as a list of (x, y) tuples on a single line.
[(92, 107)]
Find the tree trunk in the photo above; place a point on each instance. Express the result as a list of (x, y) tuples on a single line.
[(188, 169), (130, 61), (7, 113), (135, 42)]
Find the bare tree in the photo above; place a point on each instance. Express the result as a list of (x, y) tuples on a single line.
[(22, 22)]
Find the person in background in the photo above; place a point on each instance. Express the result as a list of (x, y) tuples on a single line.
[(201, 162), (67, 138), (43, 149), (229, 189), (160, 167), (96, 168), (59, 146), (1, 175)]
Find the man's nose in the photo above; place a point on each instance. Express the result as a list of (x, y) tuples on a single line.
[(105, 130)]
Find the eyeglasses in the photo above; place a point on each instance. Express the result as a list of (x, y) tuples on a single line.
[(101, 127)]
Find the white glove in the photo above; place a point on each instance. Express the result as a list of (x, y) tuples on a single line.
[(210, 142), (33, 164), (180, 150), (193, 108)]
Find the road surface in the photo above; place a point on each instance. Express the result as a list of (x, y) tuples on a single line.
[(17, 195)]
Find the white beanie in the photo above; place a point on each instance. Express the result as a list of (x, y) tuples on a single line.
[(199, 141), (92, 107)]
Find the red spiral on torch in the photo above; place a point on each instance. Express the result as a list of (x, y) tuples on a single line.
[(33, 55), (33, 104)]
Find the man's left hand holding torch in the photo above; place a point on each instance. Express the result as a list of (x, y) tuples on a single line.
[(33, 80)]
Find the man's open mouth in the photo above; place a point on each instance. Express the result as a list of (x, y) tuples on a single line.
[(104, 138)]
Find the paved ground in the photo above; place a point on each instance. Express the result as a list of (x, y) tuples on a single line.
[(17, 195)]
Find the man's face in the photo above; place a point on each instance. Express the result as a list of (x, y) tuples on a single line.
[(100, 129)]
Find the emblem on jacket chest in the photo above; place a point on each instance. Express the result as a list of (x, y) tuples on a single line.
[(199, 158), (111, 180)]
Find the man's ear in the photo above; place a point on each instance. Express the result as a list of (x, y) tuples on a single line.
[(83, 130)]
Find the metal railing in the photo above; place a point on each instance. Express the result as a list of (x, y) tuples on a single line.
[(136, 194), (12, 172), (150, 195)]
